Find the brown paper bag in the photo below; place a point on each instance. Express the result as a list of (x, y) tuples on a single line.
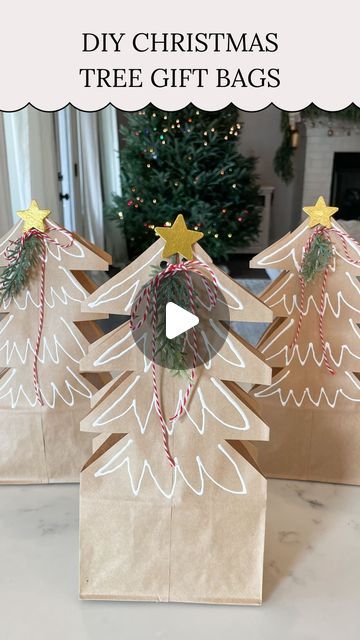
[(310, 444), (40, 444), (312, 411), (160, 549), (194, 533)]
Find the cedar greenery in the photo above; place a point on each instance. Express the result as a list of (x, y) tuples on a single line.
[(172, 289), (187, 162), (317, 258), (22, 262)]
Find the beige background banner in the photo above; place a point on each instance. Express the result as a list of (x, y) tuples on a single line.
[(311, 58)]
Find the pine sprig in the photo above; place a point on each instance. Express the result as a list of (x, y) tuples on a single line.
[(23, 259), (172, 352), (317, 258)]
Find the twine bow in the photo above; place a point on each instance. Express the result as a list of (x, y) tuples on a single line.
[(149, 294)]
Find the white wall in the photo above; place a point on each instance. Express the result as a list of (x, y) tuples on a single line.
[(261, 136)]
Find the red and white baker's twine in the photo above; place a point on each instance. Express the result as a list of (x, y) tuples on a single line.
[(43, 237), (327, 233), (149, 294)]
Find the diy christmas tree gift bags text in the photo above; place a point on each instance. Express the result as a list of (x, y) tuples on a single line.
[(43, 395), (173, 510), (312, 404)]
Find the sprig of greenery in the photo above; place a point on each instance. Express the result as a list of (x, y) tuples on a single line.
[(172, 352), (23, 259), (317, 258)]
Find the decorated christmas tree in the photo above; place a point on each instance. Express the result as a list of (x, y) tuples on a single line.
[(187, 162), (43, 396), (171, 475), (314, 347)]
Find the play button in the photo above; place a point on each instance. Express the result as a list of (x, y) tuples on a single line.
[(178, 320), (180, 334)]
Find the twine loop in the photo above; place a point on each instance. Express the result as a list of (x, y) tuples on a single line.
[(149, 293), (320, 230), (12, 258)]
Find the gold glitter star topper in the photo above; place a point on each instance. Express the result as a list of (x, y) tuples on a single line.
[(320, 214), (34, 217), (178, 238)]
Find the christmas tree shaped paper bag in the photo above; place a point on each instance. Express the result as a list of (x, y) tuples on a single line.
[(43, 396), (171, 476), (312, 405)]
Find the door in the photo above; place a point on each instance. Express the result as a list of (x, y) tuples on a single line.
[(68, 163)]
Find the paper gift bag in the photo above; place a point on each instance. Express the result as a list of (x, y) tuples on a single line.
[(185, 547), (312, 404), (310, 444), (192, 532), (43, 395)]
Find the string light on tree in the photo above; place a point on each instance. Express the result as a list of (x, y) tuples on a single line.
[(173, 168)]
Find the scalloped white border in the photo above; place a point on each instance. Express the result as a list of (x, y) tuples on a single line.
[(163, 107)]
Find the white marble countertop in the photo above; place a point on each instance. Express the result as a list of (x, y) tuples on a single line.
[(311, 585)]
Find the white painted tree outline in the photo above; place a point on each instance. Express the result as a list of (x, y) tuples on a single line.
[(303, 378), (62, 345), (215, 413)]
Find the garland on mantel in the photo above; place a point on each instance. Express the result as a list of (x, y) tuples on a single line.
[(283, 159)]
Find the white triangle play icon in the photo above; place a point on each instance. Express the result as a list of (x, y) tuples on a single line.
[(178, 320)]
